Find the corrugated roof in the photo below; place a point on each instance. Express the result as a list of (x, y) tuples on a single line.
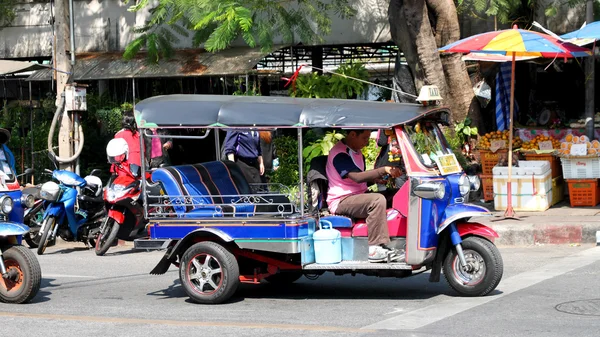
[(187, 62)]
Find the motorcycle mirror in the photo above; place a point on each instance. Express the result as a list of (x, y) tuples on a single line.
[(95, 172), (27, 172), (135, 170)]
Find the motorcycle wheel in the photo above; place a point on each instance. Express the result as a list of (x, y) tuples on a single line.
[(284, 278), (32, 237), (106, 237), (485, 268), (25, 275), (209, 273), (47, 228)]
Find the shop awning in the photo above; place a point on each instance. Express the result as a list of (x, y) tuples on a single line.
[(8, 67), (185, 63)]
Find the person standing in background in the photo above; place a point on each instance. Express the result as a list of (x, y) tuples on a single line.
[(132, 137), (243, 148), (268, 153), (157, 151)]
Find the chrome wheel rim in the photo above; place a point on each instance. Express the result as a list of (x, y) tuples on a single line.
[(205, 274), (475, 270)]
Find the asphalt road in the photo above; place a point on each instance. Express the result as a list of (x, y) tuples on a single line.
[(545, 291)]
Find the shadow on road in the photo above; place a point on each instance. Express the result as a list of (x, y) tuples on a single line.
[(332, 287)]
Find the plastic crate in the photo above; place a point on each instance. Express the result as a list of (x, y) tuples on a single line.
[(558, 190), (584, 192), (580, 168), (487, 186), (490, 159), (555, 165)]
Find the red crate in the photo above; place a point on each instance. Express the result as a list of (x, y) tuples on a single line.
[(584, 192), (490, 159), (487, 186)]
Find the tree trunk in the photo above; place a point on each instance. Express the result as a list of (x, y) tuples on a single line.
[(419, 28)]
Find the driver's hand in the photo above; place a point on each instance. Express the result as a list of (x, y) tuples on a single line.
[(393, 171)]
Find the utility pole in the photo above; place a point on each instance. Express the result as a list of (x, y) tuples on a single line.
[(62, 41), (590, 65)]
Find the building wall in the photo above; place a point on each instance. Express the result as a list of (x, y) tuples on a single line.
[(106, 25)]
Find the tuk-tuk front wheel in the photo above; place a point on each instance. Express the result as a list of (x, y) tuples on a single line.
[(24, 275), (484, 268), (209, 273)]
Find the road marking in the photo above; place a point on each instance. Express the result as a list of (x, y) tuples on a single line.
[(113, 320), (422, 317), (67, 276)]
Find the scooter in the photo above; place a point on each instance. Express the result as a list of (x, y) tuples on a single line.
[(125, 209), (33, 215), (72, 215)]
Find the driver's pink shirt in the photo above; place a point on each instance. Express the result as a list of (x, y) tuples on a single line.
[(341, 161)]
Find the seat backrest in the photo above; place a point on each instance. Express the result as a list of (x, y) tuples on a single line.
[(207, 184), (318, 183)]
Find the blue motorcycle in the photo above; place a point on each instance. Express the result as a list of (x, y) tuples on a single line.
[(70, 214)]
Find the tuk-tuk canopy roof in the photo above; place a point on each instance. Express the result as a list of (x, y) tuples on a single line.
[(268, 111)]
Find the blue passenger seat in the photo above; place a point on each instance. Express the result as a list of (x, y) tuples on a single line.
[(212, 189)]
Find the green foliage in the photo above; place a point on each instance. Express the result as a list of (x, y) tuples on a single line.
[(322, 146), (241, 90), (507, 11), (7, 12), (370, 152), (286, 149), (332, 86), (464, 130), (217, 23)]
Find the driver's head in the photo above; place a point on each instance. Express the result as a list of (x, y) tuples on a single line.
[(357, 139), (4, 136)]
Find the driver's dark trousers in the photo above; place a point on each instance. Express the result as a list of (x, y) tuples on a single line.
[(371, 206)]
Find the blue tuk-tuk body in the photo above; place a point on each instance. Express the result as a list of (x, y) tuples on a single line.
[(220, 230)]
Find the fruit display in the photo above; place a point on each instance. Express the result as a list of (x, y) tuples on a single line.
[(485, 141), (534, 144), (593, 147), (394, 153)]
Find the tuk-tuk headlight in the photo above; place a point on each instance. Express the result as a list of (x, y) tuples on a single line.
[(464, 185), (6, 204), (430, 190), (27, 200), (475, 183)]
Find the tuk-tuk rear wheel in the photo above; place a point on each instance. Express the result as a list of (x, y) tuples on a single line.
[(209, 273), (25, 275), (484, 272)]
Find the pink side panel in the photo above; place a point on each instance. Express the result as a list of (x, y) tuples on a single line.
[(396, 225)]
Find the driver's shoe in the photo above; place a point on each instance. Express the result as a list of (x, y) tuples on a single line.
[(380, 254)]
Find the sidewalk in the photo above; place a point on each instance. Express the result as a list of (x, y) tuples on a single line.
[(561, 224)]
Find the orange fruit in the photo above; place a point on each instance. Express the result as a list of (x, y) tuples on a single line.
[(569, 138)]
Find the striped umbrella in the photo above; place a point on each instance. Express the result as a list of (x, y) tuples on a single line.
[(514, 43)]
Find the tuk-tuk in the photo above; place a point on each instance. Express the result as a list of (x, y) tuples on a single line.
[(221, 231), (20, 272)]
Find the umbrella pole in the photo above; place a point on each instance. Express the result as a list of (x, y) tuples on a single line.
[(510, 212)]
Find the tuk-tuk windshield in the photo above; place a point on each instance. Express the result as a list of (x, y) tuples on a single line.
[(428, 141)]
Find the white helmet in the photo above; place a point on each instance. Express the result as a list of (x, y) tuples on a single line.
[(117, 150)]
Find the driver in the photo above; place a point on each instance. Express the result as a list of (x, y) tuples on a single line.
[(347, 186)]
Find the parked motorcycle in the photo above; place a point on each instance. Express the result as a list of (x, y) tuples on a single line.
[(20, 272), (125, 209), (33, 215), (72, 215)]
